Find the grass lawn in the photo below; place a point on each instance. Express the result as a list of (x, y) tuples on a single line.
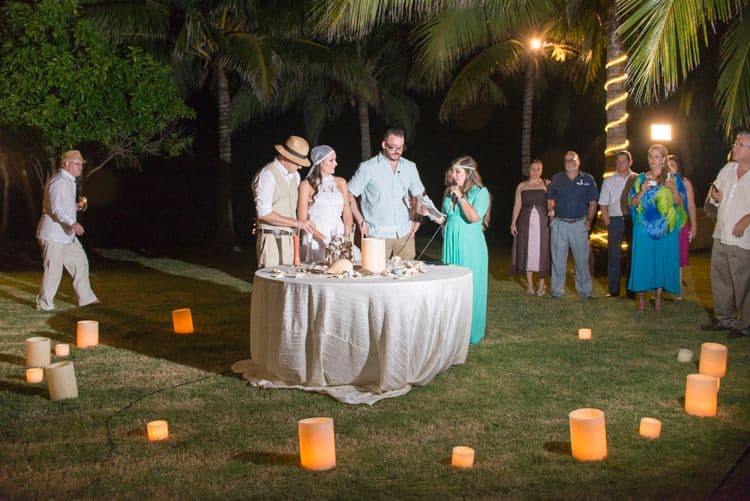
[(510, 400)]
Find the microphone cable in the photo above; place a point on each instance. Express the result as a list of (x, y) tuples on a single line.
[(430, 241)]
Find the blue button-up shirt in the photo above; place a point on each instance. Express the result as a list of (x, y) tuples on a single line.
[(385, 195), (572, 196)]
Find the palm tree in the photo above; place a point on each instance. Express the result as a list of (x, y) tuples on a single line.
[(362, 75), (665, 40), (463, 47), (471, 49), (214, 44)]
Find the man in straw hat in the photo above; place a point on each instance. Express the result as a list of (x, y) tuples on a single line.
[(275, 191), (58, 233), (386, 184)]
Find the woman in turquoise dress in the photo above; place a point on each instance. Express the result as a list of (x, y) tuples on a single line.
[(466, 205), (657, 201)]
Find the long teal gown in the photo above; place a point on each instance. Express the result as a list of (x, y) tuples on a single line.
[(655, 261), (464, 245)]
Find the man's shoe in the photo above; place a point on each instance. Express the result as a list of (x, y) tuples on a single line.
[(735, 334), (612, 294), (714, 327)]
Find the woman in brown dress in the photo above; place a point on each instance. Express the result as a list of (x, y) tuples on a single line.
[(530, 229)]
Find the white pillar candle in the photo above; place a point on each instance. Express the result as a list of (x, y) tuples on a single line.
[(584, 333), (61, 381), (34, 375), (317, 443), (588, 434), (182, 321), (713, 361), (463, 457), (87, 333), (38, 351), (62, 350), (701, 394), (157, 430), (684, 355), (373, 255), (650, 427)]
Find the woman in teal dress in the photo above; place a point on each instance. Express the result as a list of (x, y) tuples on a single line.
[(657, 201), (466, 205)]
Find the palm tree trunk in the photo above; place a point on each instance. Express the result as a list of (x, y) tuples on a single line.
[(528, 106), (32, 202), (6, 186), (364, 129), (617, 103), (224, 235)]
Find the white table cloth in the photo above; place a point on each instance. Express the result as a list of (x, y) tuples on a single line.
[(357, 339)]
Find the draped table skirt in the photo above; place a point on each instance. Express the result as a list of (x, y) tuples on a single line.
[(357, 339)]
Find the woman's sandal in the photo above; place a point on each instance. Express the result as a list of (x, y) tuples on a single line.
[(541, 291)]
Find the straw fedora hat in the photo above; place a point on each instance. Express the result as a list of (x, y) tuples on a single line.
[(295, 149), (71, 155)]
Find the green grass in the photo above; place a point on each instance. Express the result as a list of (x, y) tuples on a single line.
[(509, 401)]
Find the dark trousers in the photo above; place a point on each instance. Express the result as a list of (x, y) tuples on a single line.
[(616, 234)]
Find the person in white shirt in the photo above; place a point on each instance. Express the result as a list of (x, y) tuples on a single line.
[(58, 233), (275, 192), (730, 255), (614, 218)]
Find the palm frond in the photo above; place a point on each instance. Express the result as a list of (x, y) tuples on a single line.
[(664, 38), (447, 37), (733, 86), (189, 74), (248, 56), (474, 83), (399, 110), (133, 22), (353, 19)]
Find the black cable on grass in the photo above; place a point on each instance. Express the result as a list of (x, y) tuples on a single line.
[(111, 441), (729, 472)]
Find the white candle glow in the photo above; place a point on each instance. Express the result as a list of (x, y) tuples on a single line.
[(584, 333), (701, 394), (317, 443), (182, 321), (713, 361), (588, 434), (373, 255), (38, 351), (61, 381), (34, 375), (650, 427), (463, 457), (87, 333), (62, 350), (157, 430), (684, 355)]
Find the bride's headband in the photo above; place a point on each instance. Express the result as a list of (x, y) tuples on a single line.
[(467, 167)]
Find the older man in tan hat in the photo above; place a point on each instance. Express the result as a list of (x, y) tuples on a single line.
[(275, 191), (58, 233)]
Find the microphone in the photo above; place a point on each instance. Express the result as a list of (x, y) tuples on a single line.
[(454, 198)]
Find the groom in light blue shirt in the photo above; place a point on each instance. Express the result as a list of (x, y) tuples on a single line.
[(386, 184)]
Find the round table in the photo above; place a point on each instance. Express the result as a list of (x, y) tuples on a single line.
[(357, 339)]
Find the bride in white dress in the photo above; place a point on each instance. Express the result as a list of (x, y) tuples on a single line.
[(324, 200)]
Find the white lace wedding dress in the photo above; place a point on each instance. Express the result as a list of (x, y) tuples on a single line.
[(325, 212)]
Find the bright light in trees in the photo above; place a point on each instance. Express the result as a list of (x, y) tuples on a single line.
[(661, 132), (535, 44)]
